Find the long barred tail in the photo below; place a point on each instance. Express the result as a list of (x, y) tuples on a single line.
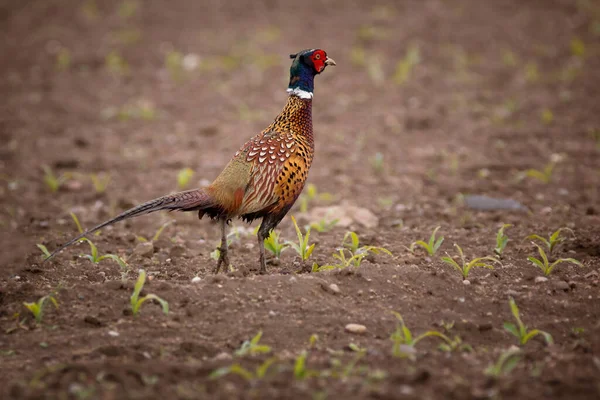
[(190, 200)]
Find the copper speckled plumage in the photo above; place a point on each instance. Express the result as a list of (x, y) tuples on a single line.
[(265, 177)]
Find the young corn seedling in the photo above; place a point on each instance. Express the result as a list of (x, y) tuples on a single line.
[(136, 301), (96, 258), (300, 370), (77, 223), (273, 244), (52, 181), (351, 242), (554, 240), (544, 175), (259, 373), (323, 225), (252, 347), (310, 194), (157, 234), (184, 177), (501, 240), (44, 250), (100, 182), (303, 249), (507, 361), (547, 267), (403, 341), (37, 308), (432, 246), (465, 267), (519, 330)]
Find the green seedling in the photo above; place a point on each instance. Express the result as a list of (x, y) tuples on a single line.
[(532, 72), (378, 163), (547, 267), (96, 258), (44, 250), (577, 47), (273, 244), (52, 181), (309, 195), (454, 345), (324, 225), (403, 339), (127, 8), (100, 182), (136, 301), (303, 249), (544, 175), (520, 330), (252, 347), (63, 59), (507, 361), (174, 64), (259, 373), (432, 246), (501, 240), (158, 232), (115, 64), (300, 370), (554, 240), (183, 177), (405, 66), (352, 243), (77, 223), (465, 267), (37, 308)]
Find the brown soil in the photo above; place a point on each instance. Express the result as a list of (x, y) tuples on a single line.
[(501, 86)]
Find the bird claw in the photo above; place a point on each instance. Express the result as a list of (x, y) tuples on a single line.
[(223, 259)]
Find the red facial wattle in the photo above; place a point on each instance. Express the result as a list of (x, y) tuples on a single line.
[(318, 59)]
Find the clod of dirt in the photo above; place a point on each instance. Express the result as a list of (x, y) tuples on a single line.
[(92, 321), (540, 279), (355, 328), (144, 249), (177, 251), (561, 285)]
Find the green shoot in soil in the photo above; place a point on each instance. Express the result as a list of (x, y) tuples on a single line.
[(100, 182), (76, 220), (37, 308), (52, 181), (544, 175), (95, 258), (543, 263), (158, 232), (303, 249), (246, 374), (137, 301), (501, 240), (432, 246), (520, 330), (507, 361), (44, 250), (554, 240), (324, 225), (404, 342), (465, 267), (273, 244), (252, 347), (183, 177), (356, 253)]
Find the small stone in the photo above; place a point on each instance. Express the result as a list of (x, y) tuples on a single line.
[(561, 285), (546, 210), (113, 333), (334, 288), (589, 275), (177, 251), (356, 328), (406, 390), (466, 282), (222, 357), (196, 279), (144, 249), (540, 279), (486, 326), (511, 292)]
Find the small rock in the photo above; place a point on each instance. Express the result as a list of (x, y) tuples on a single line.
[(196, 279), (589, 275), (222, 357), (355, 328), (466, 282), (540, 279), (177, 251), (489, 203), (144, 249), (406, 390), (334, 288), (546, 210), (511, 292), (486, 326), (346, 214), (113, 333), (561, 285)]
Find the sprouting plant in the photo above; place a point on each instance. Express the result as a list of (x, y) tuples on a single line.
[(454, 345), (465, 267), (158, 232), (174, 64), (501, 240), (252, 347), (554, 240), (547, 267), (259, 373), (577, 47), (352, 243), (378, 163), (432, 246), (520, 330), (44, 250), (544, 175), (547, 116), (77, 223), (303, 249), (100, 182), (300, 369), (403, 339), (405, 66), (127, 8), (183, 177), (52, 181), (116, 64), (273, 244), (37, 308), (63, 59), (137, 301), (323, 225), (507, 361), (309, 194)]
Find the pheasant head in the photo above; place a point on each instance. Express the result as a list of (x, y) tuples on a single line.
[(306, 65)]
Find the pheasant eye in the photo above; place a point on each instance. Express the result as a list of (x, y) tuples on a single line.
[(317, 56)]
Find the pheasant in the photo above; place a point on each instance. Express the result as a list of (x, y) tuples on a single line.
[(264, 178)]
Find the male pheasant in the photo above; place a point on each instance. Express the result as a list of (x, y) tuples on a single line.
[(264, 178)]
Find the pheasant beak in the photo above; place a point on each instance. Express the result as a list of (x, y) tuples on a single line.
[(329, 61)]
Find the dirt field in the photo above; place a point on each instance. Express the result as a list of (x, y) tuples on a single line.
[(431, 101)]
